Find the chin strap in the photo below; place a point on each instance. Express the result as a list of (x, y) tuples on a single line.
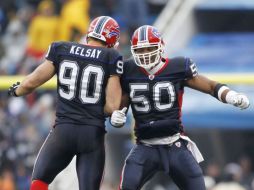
[(116, 45)]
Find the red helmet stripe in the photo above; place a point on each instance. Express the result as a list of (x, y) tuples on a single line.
[(146, 33), (143, 33), (104, 24), (100, 24), (139, 34)]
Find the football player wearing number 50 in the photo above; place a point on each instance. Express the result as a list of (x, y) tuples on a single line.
[(153, 86), (88, 90)]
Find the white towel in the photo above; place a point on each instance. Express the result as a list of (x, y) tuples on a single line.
[(193, 148)]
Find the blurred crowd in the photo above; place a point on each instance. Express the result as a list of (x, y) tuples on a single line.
[(27, 27), (236, 175), (24, 123)]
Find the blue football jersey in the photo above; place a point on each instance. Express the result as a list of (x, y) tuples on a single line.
[(82, 75), (156, 100)]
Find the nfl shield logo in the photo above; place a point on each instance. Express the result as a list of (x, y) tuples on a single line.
[(151, 77), (178, 144)]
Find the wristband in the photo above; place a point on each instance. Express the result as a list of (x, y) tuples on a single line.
[(219, 89)]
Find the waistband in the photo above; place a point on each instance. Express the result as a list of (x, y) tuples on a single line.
[(169, 140)]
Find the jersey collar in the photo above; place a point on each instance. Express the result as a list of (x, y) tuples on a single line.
[(156, 70)]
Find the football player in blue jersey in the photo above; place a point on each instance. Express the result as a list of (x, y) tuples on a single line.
[(88, 90), (154, 86)]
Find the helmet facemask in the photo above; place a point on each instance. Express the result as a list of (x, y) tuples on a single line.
[(147, 55)]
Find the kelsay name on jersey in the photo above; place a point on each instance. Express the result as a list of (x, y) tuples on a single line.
[(92, 53)]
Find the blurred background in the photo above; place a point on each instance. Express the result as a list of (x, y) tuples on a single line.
[(218, 35)]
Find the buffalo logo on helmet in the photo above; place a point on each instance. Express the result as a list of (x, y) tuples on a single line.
[(156, 32), (113, 33), (110, 34)]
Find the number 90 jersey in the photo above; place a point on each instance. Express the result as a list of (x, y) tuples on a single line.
[(82, 75), (156, 100)]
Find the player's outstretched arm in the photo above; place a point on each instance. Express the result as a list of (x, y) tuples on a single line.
[(113, 95), (39, 76), (220, 91)]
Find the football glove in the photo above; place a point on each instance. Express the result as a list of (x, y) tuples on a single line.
[(12, 89), (118, 118), (238, 100)]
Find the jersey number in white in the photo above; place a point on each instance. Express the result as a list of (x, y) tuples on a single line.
[(71, 82), (141, 102)]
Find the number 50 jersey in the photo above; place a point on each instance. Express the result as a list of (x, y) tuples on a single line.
[(156, 100), (82, 75)]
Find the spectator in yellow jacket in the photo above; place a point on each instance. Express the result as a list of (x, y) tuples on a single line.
[(43, 29), (74, 19)]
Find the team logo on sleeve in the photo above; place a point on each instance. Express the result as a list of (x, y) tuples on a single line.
[(178, 144)]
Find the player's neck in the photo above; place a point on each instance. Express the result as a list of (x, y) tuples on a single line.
[(95, 43)]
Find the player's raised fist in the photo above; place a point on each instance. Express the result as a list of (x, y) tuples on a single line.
[(238, 100), (242, 101)]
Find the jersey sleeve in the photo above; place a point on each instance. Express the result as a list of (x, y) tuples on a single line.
[(124, 83), (190, 69), (51, 53), (116, 63)]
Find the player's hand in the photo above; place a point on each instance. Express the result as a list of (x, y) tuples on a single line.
[(13, 88), (238, 100), (118, 118)]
